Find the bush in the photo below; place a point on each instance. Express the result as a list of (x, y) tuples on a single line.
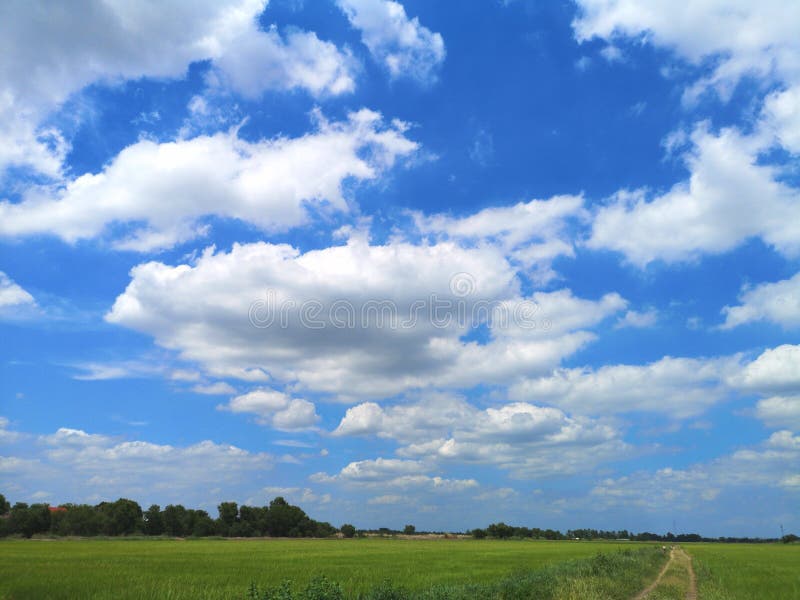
[(348, 530)]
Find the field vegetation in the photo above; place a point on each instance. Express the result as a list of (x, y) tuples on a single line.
[(747, 571), (218, 568)]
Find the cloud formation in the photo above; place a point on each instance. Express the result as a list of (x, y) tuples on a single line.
[(48, 53), (157, 194), (403, 46)]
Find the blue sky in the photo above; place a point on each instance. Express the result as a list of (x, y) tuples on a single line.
[(217, 221)]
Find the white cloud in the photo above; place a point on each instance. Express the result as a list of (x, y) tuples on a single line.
[(302, 497), (99, 371), (393, 473), (48, 53), (275, 408), (777, 302), (11, 294), (8, 436), (733, 194), (728, 199), (773, 464), (780, 412), (637, 319), (388, 499), (403, 46), (741, 37), (244, 314), (527, 440), (434, 414), (679, 387), (88, 467), (161, 191), (218, 388), (782, 117), (258, 61), (531, 233), (776, 370)]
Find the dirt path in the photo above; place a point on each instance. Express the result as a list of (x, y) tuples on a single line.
[(691, 593), (675, 555), (646, 591)]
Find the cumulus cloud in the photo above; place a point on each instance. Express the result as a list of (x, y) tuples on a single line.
[(679, 387), (741, 38), (638, 319), (780, 412), (357, 319), (48, 53), (403, 46), (527, 440), (781, 116), (776, 370), (275, 408), (532, 233), (777, 302), (218, 388), (161, 191), (733, 194), (89, 467), (729, 198), (257, 61), (772, 464), (11, 294), (393, 473), (7, 435)]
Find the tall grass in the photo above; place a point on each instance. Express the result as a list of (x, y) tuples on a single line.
[(606, 576), (747, 571)]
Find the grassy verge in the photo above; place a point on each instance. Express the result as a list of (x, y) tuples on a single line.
[(609, 576)]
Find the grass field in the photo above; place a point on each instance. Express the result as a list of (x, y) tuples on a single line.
[(224, 568), (197, 569), (747, 571)]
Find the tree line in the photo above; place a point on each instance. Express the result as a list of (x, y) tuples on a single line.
[(126, 517), (503, 531), (277, 519)]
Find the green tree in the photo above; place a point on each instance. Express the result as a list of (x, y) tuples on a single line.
[(348, 530), (153, 522), (29, 520), (409, 530), (123, 516), (479, 534), (4, 505), (174, 517), (79, 519), (199, 523), (228, 515)]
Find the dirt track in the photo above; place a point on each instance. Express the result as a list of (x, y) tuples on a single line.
[(675, 554)]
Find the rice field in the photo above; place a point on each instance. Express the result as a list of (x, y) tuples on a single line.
[(747, 571), (463, 568), (217, 568)]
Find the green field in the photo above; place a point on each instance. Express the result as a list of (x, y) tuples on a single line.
[(224, 568), (747, 571), (216, 568)]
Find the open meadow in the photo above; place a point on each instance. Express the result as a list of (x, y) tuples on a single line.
[(225, 568)]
